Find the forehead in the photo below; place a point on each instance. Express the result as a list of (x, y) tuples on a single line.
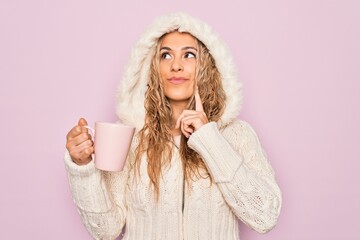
[(177, 39)]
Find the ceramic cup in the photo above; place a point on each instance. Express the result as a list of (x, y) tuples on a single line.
[(112, 144)]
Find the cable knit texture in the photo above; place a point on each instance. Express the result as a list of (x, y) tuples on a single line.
[(243, 186)]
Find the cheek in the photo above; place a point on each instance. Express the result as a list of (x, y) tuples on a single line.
[(190, 68), (164, 68)]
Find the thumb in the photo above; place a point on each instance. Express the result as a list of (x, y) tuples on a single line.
[(82, 122)]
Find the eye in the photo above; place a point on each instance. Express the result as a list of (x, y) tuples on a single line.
[(189, 55), (165, 55)]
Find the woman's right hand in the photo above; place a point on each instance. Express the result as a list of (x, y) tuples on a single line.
[(79, 143)]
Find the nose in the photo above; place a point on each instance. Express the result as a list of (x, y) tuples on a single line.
[(176, 65)]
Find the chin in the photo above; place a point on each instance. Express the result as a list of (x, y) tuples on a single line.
[(179, 97)]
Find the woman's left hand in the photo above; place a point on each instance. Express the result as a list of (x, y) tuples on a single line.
[(189, 121)]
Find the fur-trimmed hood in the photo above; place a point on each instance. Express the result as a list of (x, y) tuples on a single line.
[(131, 92)]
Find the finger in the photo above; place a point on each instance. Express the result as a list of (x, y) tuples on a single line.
[(187, 125), (82, 122), (184, 114), (188, 128), (74, 132), (194, 121), (198, 104), (86, 154), (183, 130), (83, 146), (191, 124), (83, 150), (89, 151), (76, 141)]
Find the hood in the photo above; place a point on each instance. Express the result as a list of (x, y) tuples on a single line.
[(131, 91)]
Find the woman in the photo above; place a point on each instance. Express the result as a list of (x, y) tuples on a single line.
[(193, 169)]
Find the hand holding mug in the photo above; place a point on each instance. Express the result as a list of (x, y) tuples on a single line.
[(79, 143)]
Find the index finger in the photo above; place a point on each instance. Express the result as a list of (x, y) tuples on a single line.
[(75, 131), (198, 104)]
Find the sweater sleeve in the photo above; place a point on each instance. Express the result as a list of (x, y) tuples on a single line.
[(99, 197), (239, 166)]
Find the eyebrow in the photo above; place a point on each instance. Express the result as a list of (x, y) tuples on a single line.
[(184, 48)]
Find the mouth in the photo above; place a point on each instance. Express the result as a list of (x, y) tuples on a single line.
[(177, 80)]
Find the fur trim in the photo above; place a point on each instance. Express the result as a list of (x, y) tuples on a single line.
[(131, 91)]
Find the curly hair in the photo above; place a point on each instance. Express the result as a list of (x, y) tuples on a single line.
[(155, 137)]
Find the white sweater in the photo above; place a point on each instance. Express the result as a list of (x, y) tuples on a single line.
[(243, 187)]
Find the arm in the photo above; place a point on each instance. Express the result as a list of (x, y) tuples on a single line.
[(99, 196), (239, 167)]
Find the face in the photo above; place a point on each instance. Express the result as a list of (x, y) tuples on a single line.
[(178, 53)]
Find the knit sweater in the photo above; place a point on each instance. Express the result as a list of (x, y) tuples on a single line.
[(243, 187)]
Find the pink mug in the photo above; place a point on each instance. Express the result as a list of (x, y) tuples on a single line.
[(112, 143)]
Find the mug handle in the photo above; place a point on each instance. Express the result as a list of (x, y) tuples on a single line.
[(91, 130), (93, 137)]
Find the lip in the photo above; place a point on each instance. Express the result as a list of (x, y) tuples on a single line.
[(177, 80)]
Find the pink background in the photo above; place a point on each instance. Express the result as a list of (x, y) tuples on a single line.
[(300, 64)]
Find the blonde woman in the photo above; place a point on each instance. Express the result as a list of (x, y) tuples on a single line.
[(194, 169)]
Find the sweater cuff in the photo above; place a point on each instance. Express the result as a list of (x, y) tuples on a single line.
[(77, 170), (219, 156)]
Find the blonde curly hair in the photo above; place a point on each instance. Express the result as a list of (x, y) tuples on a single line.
[(155, 137)]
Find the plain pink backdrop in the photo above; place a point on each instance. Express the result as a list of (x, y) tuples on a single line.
[(299, 62)]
